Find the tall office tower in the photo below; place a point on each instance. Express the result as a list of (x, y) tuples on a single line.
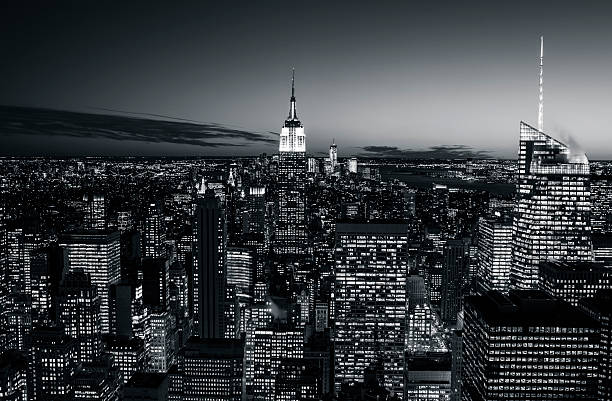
[(370, 301), (95, 212), (333, 156), (553, 206), (428, 377), (600, 309), (179, 290), (298, 379), (601, 201), (553, 202), (128, 354), (97, 254), (162, 344), (209, 268), (155, 280), (494, 253), (454, 274), (572, 281), (265, 349), (256, 207), (290, 230), (209, 369), (52, 365), (146, 386), (13, 376), (528, 346), (79, 314), (154, 233)]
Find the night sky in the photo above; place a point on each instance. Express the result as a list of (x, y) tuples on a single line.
[(383, 78)]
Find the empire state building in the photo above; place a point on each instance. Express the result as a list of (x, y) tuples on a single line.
[(290, 231)]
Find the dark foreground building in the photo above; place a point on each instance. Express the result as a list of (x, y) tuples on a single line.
[(528, 346)]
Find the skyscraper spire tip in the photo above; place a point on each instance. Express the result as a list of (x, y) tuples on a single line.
[(541, 102)]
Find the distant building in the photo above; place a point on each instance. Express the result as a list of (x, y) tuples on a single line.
[(515, 347), (352, 165), (95, 212), (155, 282), (333, 156), (154, 234)]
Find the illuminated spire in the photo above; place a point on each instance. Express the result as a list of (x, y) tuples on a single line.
[(541, 103), (292, 110)]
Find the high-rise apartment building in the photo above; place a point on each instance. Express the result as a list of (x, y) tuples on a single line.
[(370, 301), (95, 212), (154, 232)]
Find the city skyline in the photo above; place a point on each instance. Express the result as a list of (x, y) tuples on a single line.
[(408, 85), (160, 240)]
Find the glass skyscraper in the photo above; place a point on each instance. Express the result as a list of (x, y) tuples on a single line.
[(553, 206)]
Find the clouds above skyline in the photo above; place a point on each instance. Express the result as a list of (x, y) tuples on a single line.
[(36, 122), (434, 152)]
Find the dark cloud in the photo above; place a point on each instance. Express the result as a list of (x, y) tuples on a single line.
[(23, 121), (433, 152)]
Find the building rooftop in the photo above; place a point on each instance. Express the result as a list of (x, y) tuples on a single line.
[(527, 308)]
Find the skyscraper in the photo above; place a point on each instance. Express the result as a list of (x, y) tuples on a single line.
[(528, 346), (494, 253), (154, 234), (95, 212), (290, 231), (370, 301), (52, 364), (454, 274), (80, 314), (209, 268), (553, 203), (97, 253), (333, 156)]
